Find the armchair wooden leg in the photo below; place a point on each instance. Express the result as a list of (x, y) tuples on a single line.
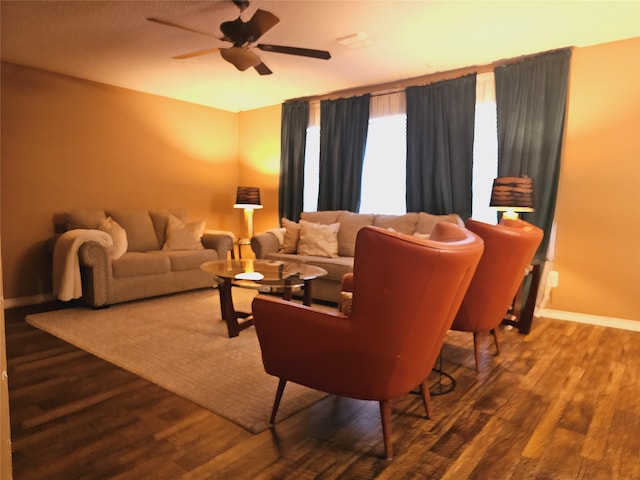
[(495, 339), (426, 397), (385, 415), (475, 350), (276, 402)]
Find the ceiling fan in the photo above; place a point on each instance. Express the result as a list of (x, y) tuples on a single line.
[(243, 35)]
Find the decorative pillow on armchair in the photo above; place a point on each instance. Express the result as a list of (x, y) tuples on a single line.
[(318, 240), (346, 302), (183, 236)]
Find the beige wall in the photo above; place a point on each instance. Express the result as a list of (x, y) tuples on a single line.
[(260, 160), (598, 214), (72, 142)]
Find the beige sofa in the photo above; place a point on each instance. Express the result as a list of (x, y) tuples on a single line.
[(327, 239), (111, 256)]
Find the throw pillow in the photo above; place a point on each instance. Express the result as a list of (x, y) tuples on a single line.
[(119, 236), (84, 218), (318, 240), (141, 236), (291, 236), (183, 236)]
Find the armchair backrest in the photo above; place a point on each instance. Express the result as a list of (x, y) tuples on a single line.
[(508, 249), (406, 292)]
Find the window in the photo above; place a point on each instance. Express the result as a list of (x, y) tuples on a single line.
[(485, 149), (384, 169), (311, 169)]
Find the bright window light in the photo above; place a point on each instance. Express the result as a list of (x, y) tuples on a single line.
[(384, 169)]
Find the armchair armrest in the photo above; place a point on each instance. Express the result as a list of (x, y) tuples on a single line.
[(316, 348), (296, 339), (347, 282), (220, 241)]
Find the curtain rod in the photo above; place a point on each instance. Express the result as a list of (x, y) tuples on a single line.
[(401, 85)]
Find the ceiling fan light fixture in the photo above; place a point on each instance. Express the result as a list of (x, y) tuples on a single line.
[(241, 58)]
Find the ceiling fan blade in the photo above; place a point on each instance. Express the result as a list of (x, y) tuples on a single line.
[(196, 54), (303, 52), (241, 4), (261, 22), (176, 25), (241, 58), (262, 69)]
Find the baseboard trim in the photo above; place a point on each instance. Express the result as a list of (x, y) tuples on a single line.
[(27, 301), (621, 323)]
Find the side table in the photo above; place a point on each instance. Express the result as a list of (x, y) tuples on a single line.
[(241, 243), (520, 315)]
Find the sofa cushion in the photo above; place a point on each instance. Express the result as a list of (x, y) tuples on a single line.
[(318, 239), (160, 218), (336, 267), (325, 216), (118, 235), (84, 218), (183, 236), (400, 223), (132, 264), (350, 224), (182, 260), (426, 221), (291, 236), (140, 232)]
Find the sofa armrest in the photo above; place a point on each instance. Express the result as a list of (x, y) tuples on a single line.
[(96, 273), (264, 243), (220, 241)]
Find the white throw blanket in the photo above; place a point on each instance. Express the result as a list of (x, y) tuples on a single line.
[(66, 264)]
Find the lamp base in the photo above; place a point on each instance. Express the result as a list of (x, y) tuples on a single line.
[(510, 215)]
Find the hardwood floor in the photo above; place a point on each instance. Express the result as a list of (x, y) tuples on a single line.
[(560, 403)]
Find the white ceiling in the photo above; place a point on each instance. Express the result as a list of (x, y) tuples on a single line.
[(113, 43)]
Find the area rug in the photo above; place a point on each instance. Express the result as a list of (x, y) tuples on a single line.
[(180, 343)]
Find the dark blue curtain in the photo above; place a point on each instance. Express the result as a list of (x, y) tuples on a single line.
[(440, 126), (531, 97), (343, 136), (293, 139)]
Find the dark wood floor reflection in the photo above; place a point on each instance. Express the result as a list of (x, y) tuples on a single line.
[(562, 402)]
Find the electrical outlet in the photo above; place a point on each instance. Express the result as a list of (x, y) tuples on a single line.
[(553, 279)]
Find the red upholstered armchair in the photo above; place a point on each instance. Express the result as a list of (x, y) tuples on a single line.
[(405, 294), (508, 249)]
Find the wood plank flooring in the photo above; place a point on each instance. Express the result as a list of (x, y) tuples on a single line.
[(560, 403)]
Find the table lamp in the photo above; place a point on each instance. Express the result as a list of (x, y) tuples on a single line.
[(512, 195), (248, 198)]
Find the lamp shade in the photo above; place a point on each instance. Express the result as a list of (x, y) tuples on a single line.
[(512, 193), (248, 197)]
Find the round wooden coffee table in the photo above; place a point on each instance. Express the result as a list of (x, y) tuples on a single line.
[(262, 275)]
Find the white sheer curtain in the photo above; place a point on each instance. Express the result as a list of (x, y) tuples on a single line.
[(384, 170), (485, 149)]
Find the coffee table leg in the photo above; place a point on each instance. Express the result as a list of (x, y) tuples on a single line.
[(307, 298), (229, 314)]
